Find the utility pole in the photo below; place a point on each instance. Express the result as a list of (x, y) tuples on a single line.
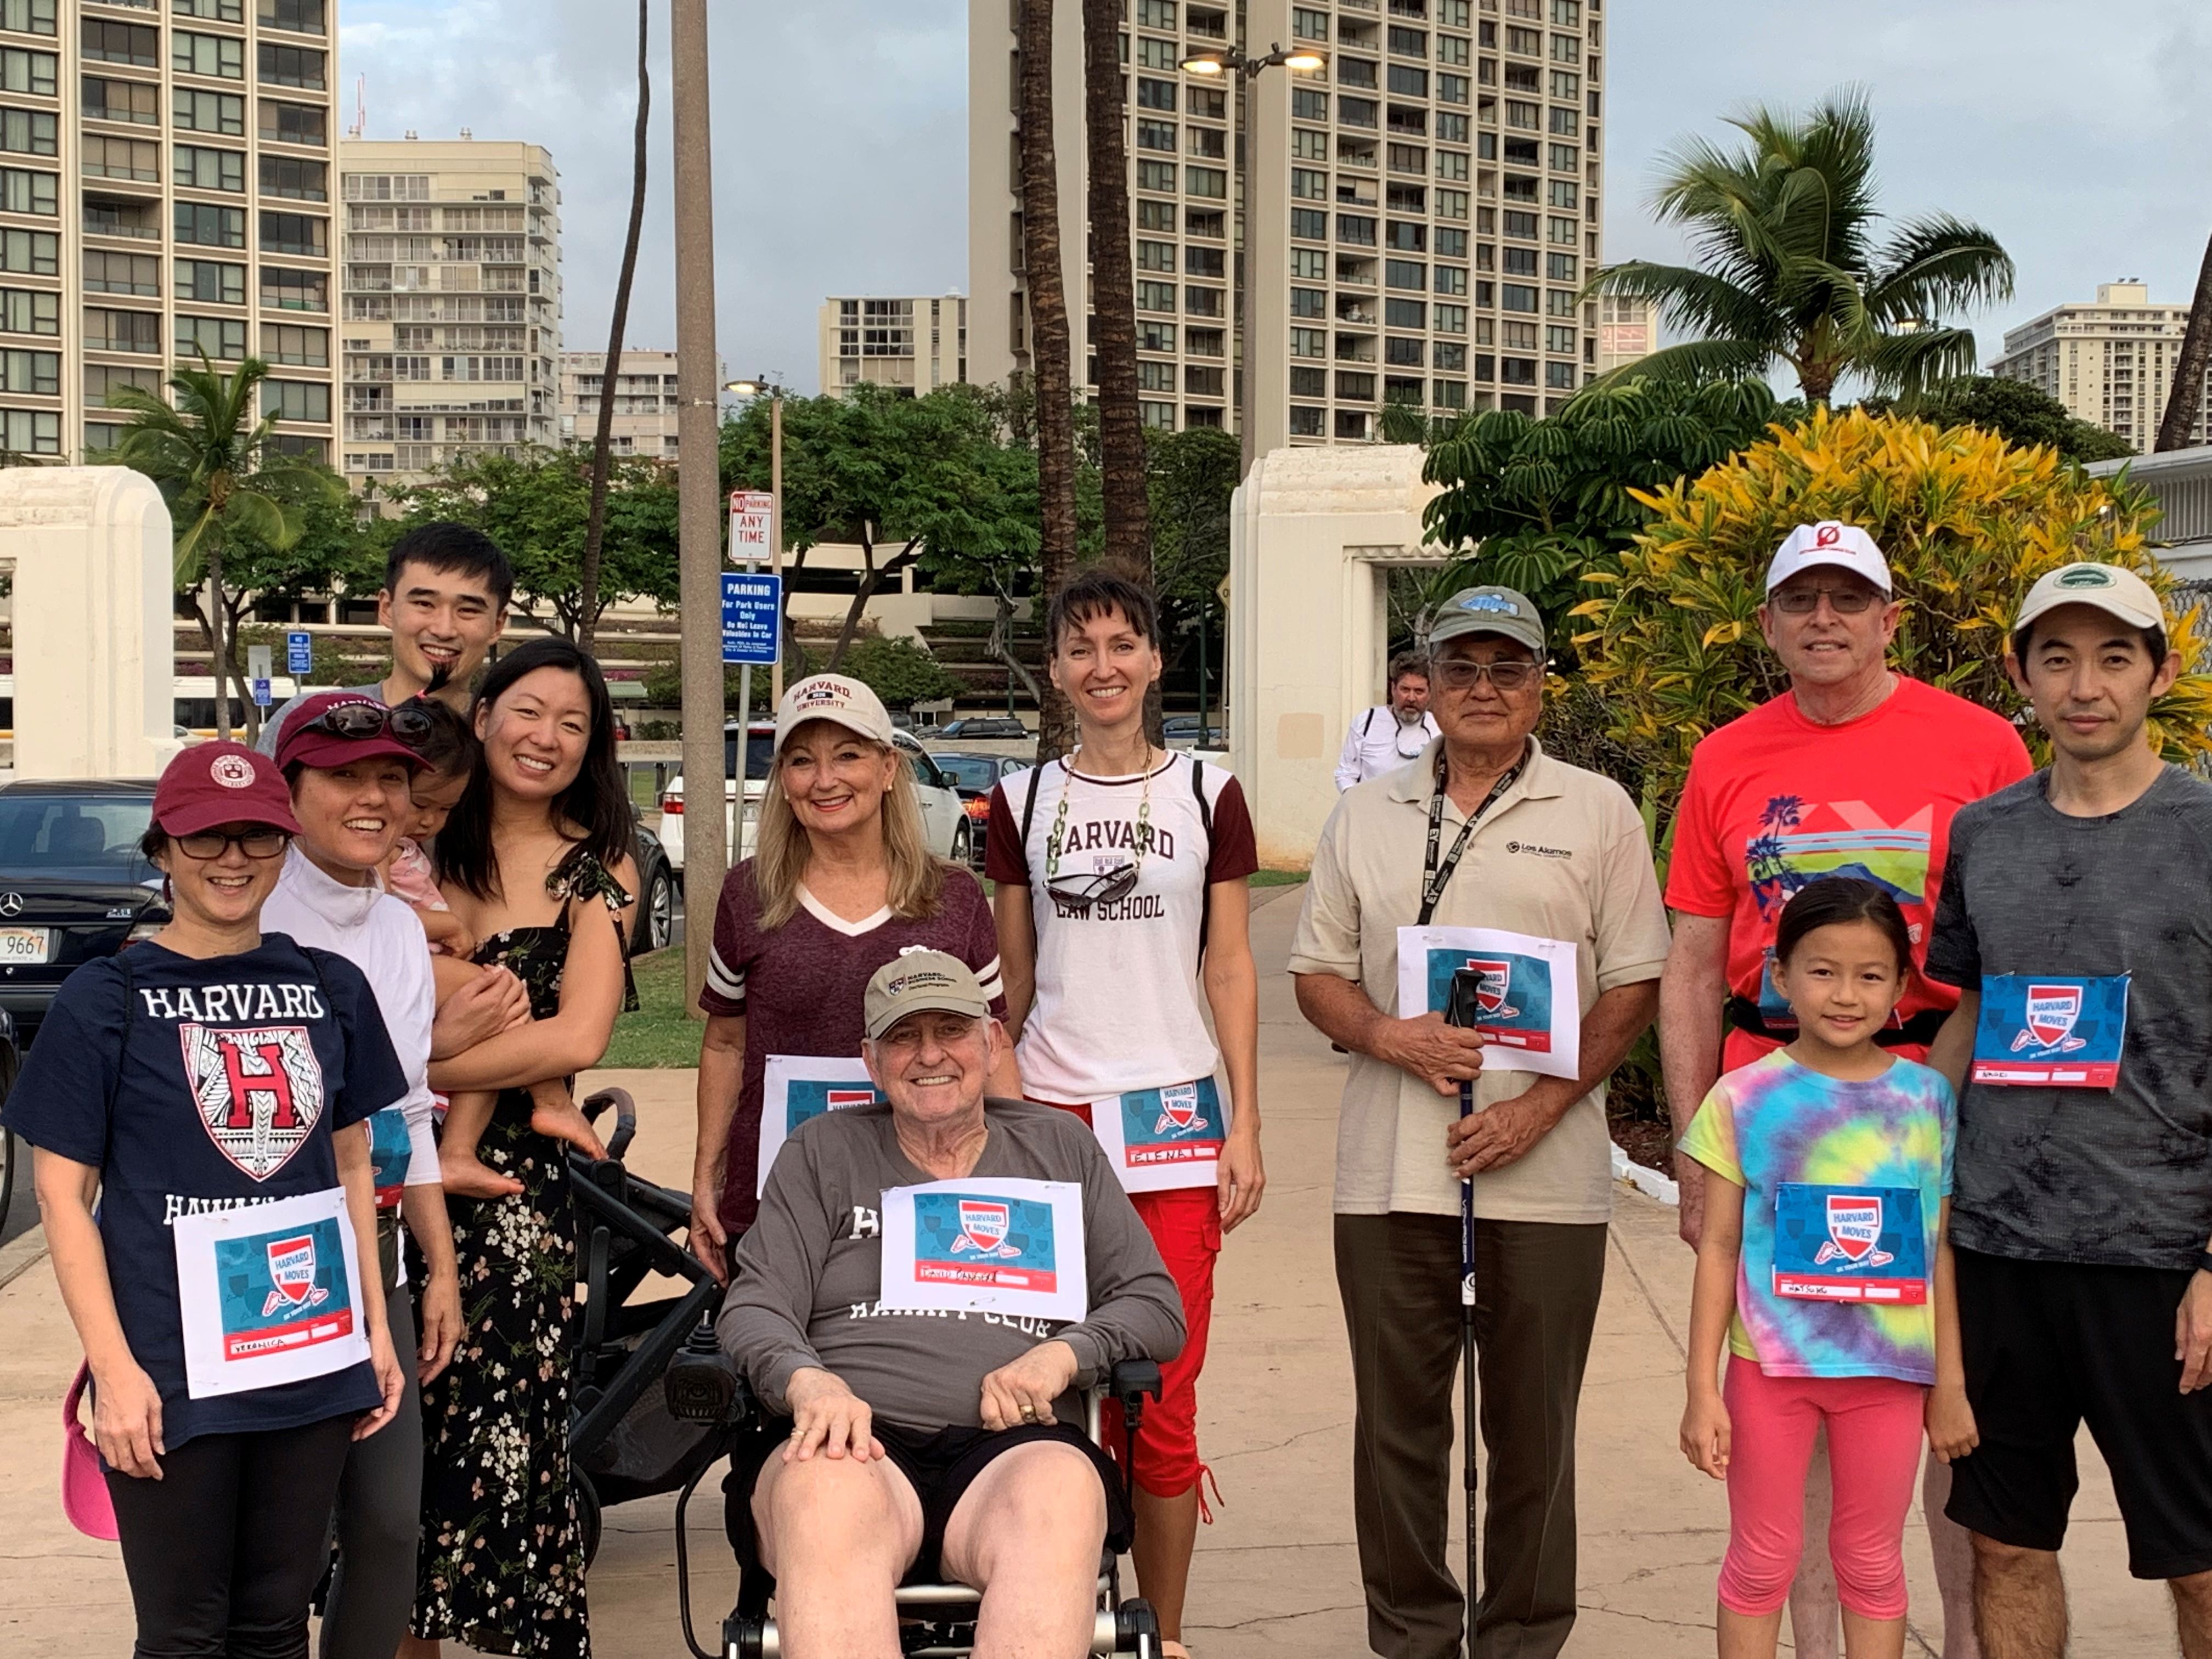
[(706, 828)]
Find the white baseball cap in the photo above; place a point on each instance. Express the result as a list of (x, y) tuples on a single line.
[(2111, 588), (833, 697), (1844, 546)]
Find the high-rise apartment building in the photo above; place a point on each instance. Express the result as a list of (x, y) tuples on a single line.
[(165, 188), (2111, 363), (452, 284), (1627, 332), (914, 345), (646, 404), (1427, 206)]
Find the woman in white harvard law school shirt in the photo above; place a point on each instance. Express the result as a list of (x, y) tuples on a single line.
[(1121, 897)]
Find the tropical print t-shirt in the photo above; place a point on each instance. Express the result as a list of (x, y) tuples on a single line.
[(1841, 1146), (1775, 802)]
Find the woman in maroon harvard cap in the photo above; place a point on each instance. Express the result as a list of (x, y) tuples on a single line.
[(211, 1085)]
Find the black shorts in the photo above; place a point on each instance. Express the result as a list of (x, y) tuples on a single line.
[(2051, 1345), (941, 1466)]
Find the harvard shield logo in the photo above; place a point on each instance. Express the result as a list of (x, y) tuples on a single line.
[(983, 1229), (292, 1274), (2052, 1011), (1496, 979), (259, 1090), (1180, 1111), (1854, 1230)]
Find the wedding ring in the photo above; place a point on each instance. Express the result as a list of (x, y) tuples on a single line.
[(1029, 1414)]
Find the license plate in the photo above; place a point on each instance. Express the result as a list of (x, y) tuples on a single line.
[(24, 945)]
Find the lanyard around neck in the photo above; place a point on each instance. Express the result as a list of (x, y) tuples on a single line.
[(1436, 877)]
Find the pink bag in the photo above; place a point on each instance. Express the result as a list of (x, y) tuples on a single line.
[(84, 1488)]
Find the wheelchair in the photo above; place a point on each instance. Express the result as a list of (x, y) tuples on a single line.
[(703, 1386)]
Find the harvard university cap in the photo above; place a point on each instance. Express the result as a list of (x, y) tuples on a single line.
[(215, 783), (1844, 546), (922, 982), (2112, 588), (833, 697)]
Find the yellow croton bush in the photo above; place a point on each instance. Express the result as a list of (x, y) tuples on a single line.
[(1968, 522)]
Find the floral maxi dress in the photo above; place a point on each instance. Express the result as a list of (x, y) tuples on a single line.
[(502, 1562)]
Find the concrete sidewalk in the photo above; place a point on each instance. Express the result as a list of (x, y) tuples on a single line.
[(1276, 1574)]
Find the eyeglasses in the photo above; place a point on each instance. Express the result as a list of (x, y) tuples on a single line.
[(1505, 676), (368, 719), (1804, 601), (258, 843)]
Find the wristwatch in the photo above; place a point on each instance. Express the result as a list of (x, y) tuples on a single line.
[(2204, 1262)]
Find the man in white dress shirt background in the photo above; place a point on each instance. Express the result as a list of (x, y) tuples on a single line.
[(1393, 733)]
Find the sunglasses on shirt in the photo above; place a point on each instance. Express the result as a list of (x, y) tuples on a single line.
[(1103, 888)]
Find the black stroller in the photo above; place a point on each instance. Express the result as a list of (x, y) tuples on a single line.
[(624, 1441)]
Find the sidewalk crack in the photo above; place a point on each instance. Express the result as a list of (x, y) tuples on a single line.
[(1650, 1301)]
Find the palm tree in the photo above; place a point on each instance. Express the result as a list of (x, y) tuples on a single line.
[(1123, 480), (213, 456), (595, 525), (2180, 421), (1049, 339), (1788, 270)]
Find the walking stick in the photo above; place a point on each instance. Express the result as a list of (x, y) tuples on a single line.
[(1460, 1010)]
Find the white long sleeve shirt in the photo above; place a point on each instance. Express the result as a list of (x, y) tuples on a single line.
[(383, 938), (1376, 744)]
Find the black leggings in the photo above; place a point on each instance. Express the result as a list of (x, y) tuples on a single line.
[(224, 1550)]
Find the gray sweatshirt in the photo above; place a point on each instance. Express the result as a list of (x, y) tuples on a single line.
[(810, 1272)]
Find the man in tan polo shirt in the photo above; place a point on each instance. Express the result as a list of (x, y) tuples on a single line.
[(1560, 854)]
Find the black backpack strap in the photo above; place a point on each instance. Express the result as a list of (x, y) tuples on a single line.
[(1205, 826), (1029, 808), (1366, 723)]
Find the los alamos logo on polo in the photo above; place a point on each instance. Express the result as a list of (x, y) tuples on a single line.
[(259, 1090), (1005, 1242)]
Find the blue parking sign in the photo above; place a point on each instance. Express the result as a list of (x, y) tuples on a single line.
[(752, 610), (298, 652)]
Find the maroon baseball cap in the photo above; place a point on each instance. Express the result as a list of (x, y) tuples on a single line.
[(213, 783), (305, 746)]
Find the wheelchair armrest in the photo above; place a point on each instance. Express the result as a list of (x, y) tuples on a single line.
[(1133, 1381), (703, 1384)]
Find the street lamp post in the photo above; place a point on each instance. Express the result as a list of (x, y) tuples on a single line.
[(1247, 70)]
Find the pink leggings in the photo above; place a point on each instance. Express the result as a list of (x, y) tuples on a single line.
[(1874, 1451)]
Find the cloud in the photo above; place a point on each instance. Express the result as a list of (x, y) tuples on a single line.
[(839, 147), (841, 135)]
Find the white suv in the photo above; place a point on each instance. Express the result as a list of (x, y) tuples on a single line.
[(942, 815)]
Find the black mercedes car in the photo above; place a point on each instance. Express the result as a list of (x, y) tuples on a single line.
[(73, 884)]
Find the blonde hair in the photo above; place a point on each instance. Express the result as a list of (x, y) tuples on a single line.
[(781, 849)]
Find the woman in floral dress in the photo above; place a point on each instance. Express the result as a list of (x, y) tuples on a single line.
[(537, 862)]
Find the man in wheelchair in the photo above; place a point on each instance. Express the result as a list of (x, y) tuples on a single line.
[(910, 1298)]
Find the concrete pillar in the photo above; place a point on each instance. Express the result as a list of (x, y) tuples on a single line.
[(95, 663), (1314, 534)]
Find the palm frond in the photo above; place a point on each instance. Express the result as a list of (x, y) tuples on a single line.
[(1693, 360), (1910, 365), (1936, 265)]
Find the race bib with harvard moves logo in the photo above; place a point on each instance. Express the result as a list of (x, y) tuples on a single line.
[(994, 1245), (1160, 1139), (269, 1294), (2050, 1030), (1849, 1244)]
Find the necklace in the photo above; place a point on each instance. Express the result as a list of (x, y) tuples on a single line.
[(1117, 883)]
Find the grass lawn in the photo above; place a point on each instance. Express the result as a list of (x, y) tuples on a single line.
[(1278, 877), (660, 1033)]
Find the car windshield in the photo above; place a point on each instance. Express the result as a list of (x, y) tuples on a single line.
[(760, 752), (74, 837), (967, 771)]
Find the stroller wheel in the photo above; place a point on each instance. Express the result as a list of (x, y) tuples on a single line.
[(587, 1514), (1137, 1629)]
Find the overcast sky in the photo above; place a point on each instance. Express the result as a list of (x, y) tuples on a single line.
[(2075, 133)]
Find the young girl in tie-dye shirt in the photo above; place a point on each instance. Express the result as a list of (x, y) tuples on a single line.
[(1824, 1268)]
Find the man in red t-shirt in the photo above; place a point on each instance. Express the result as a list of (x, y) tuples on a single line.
[(1856, 770)]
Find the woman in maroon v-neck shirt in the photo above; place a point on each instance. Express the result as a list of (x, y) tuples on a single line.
[(842, 882)]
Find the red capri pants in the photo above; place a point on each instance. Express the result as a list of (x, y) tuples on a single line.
[(1185, 1223), (1873, 1454)]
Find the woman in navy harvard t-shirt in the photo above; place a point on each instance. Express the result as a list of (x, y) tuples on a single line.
[(211, 1086)]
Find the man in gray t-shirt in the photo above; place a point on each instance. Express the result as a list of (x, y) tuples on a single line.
[(946, 1442), (2076, 919), (446, 592)]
